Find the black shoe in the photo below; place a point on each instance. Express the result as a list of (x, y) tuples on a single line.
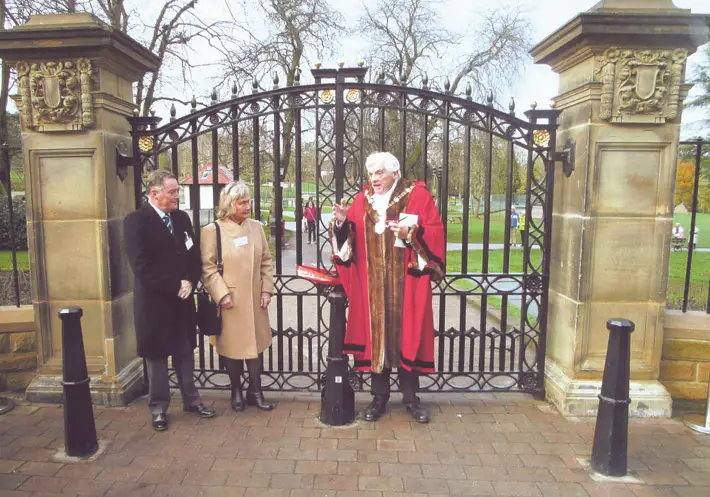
[(257, 399), (418, 412), (238, 403), (160, 422), (376, 409), (202, 410)]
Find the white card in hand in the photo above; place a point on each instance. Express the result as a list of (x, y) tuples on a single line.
[(241, 241), (407, 220)]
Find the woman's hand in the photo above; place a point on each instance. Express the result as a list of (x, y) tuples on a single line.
[(340, 212), (226, 302), (265, 299)]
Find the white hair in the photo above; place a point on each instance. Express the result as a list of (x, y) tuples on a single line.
[(382, 160)]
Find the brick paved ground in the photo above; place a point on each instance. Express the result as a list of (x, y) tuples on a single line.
[(476, 444)]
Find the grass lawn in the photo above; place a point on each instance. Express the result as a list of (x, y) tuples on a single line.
[(475, 229), (676, 277), (702, 221), (23, 260)]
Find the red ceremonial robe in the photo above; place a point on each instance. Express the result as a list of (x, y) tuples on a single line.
[(390, 319)]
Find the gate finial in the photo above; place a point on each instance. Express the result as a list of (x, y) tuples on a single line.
[(193, 103), (511, 106), (297, 77), (254, 85), (275, 79), (234, 89), (425, 81), (173, 112), (490, 98), (447, 84), (469, 91), (213, 96)]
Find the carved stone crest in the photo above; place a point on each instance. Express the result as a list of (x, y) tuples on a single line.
[(56, 95), (640, 86)]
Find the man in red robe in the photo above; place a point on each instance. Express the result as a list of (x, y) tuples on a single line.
[(388, 247)]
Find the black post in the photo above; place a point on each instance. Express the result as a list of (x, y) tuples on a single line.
[(338, 398), (79, 427), (611, 435)]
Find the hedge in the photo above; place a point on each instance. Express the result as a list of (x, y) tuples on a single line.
[(18, 207)]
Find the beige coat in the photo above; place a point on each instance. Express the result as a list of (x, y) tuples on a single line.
[(246, 331)]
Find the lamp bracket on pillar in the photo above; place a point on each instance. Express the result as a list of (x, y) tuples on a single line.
[(124, 161), (566, 157)]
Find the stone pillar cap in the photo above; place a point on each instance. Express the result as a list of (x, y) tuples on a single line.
[(67, 36), (591, 33), (637, 5)]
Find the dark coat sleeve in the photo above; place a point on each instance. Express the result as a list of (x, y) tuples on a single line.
[(138, 251)]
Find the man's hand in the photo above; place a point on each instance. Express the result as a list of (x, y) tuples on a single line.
[(340, 212), (226, 302), (400, 230), (265, 299), (185, 289)]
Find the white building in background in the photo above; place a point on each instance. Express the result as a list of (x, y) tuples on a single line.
[(207, 203)]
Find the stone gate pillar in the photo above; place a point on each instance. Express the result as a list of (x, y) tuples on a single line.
[(75, 76), (622, 85)]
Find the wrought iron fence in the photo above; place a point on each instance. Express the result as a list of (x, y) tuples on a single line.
[(491, 308), (694, 296)]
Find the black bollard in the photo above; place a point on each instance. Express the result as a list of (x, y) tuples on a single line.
[(611, 435), (338, 398), (79, 427)]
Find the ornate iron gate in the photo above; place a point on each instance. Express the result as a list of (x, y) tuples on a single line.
[(312, 140)]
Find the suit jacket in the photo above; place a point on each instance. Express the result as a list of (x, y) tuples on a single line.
[(164, 322)]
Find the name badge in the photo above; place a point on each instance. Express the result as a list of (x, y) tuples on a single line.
[(241, 241), (188, 242)]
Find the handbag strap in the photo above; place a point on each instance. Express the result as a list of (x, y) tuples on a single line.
[(220, 265)]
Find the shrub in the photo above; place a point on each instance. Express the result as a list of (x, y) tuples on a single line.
[(20, 224)]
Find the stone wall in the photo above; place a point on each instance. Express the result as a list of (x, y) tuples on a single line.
[(685, 363), (18, 348)]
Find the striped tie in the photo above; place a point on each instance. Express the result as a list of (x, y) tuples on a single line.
[(166, 220)]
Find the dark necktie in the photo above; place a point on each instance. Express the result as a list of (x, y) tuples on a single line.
[(166, 220)]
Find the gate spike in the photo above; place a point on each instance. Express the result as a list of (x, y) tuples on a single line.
[(234, 89), (193, 103), (297, 77), (468, 91), (447, 84), (275, 78), (213, 96), (490, 98), (254, 86), (425, 81), (173, 112), (511, 105)]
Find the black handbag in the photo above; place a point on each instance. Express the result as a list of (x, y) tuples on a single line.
[(209, 320)]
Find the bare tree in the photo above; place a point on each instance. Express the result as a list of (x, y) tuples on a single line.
[(405, 36), (293, 32)]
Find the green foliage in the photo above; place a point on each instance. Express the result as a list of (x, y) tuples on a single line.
[(702, 82), (20, 224)]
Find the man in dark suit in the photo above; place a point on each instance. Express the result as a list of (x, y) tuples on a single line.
[(165, 259)]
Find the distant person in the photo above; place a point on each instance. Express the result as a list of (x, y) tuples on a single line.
[(311, 215), (695, 237), (514, 223), (678, 231)]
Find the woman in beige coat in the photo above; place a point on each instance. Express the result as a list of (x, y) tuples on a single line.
[(243, 291)]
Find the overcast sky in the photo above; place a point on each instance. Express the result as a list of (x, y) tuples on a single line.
[(536, 83)]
